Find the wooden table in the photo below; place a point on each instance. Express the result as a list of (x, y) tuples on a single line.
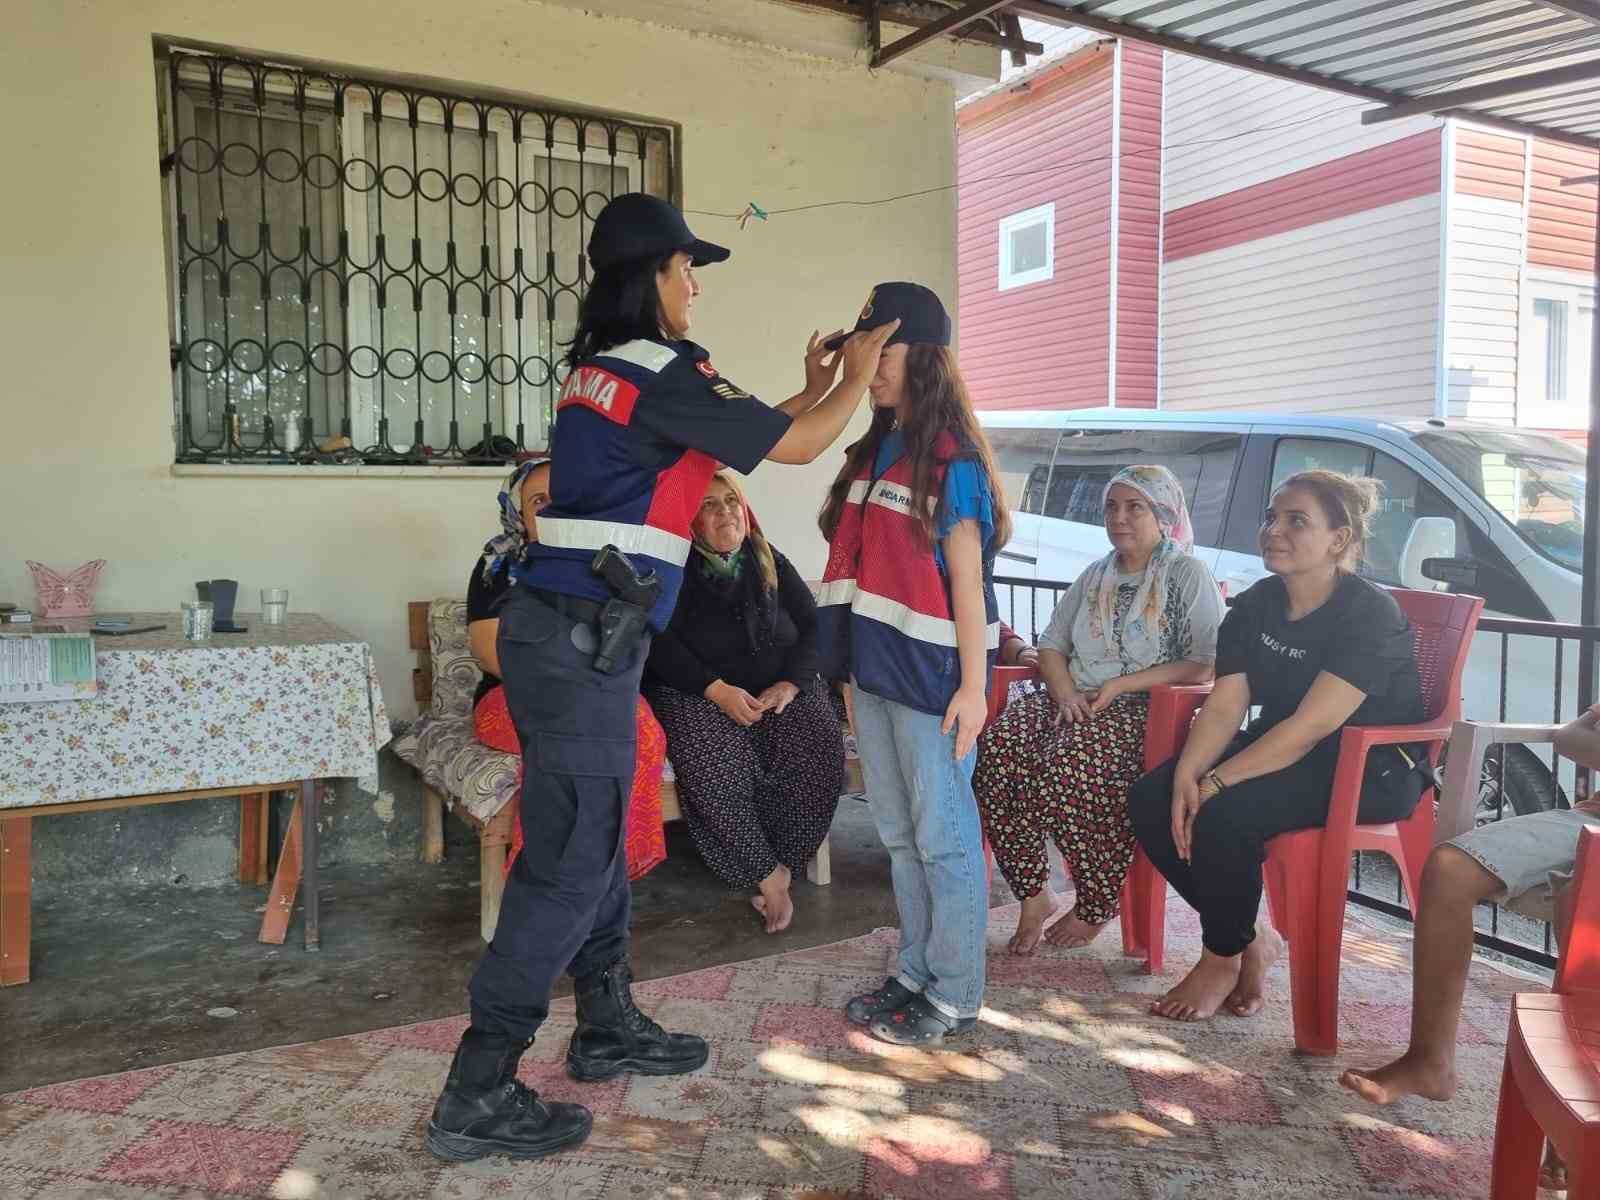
[(279, 709)]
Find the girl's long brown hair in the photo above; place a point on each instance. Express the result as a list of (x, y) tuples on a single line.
[(936, 401)]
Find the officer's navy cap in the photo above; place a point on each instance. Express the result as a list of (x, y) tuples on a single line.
[(636, 225), (923, 320)]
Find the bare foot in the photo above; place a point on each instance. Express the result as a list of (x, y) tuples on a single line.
[(1036, 910), (1248, 994), (1407, 1075), (1201, 992), (1073, 932), (773, 901)]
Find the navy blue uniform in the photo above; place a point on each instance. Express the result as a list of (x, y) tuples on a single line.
[(639, 432)]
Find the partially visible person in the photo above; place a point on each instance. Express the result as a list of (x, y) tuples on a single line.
[(907, 615), (1015, 650), (526, 492), (1058, 763), (755, 743), (1319, 648), (1530, 856)]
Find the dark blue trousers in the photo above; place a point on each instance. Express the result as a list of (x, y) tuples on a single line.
[(566, 901)]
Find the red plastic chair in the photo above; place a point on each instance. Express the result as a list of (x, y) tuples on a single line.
[(1551, 1083), (1308, 871), (1172, 711)]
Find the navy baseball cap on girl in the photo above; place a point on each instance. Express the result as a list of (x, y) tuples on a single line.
[(638, 225), (923, 320)]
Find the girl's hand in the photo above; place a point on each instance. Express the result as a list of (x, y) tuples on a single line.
[(822, 364), (740, 706), (778, 697), (1073, 706), (1107, 693), (1186, 801), (968, 710)]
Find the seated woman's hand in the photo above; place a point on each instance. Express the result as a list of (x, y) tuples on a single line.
[(1108, 692), (1186, 801), (1072, 705), (778, 697), (741, 707), (1028, 656)]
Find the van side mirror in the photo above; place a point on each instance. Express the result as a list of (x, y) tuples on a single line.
[(1431, 538), (1452, 572)]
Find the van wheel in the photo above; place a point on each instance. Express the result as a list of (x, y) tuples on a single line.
[(1528, 785)]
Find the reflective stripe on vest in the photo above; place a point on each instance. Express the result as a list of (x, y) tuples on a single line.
[(572, 533)]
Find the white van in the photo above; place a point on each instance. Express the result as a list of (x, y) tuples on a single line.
[(1484, 509)]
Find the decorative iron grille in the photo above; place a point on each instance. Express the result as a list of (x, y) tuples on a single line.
[(369, 272)]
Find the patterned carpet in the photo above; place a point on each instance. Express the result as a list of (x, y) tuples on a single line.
[(1069, 1090)]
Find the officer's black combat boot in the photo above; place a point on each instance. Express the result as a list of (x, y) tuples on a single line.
[(614, 1036), (484, 1109)]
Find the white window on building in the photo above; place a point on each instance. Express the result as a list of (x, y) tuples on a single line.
[(1028, 246), (1554, 350)]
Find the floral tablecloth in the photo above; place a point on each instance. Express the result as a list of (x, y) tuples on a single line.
[(277, 704)]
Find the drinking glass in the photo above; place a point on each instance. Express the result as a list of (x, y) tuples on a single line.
[(274, 606), (197, 620)]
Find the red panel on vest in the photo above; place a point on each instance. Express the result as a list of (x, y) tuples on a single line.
[(679, 491), (599, 390)]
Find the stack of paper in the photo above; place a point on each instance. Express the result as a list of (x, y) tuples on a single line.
[(46, 666)]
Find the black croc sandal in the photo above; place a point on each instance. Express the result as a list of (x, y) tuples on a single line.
[(918, 1023), (892, 996)]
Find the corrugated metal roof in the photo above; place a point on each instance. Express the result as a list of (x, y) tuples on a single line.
[(1530, 65)]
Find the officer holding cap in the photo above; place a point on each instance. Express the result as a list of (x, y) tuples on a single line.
[(643, 420)]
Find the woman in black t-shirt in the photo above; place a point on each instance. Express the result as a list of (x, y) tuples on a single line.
[(525, 493), (1318, 648)]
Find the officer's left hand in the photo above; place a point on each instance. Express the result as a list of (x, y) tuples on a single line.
[(778, 697), (822, 364), (968, 710)]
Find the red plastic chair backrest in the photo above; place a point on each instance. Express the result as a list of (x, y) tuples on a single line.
[(1442, 625), (1579, 969)]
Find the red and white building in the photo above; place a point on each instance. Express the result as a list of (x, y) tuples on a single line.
[(1143, 229)]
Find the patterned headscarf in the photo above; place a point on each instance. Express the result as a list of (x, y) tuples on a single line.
[(512, 539), (1139, 638)]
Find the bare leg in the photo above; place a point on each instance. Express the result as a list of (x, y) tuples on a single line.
[(1452, 883), (1036, 910), (773, 901), (1248, 996), (1201, 992)]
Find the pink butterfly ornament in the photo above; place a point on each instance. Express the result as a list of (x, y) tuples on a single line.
[(69, 595)]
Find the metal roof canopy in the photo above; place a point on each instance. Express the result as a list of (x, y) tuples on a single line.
[(1526, 66)]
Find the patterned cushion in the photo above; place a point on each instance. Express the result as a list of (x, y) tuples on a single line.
[(454, 763), (455, 672)]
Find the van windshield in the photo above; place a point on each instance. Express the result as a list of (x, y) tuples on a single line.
[(1535, 481)]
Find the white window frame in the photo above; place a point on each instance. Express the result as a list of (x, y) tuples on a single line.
[(1044, 214), (1577, 291)]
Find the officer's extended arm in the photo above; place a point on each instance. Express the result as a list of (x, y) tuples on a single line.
[(814, 430)]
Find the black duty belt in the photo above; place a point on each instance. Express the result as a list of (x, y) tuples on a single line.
[(576, 607)]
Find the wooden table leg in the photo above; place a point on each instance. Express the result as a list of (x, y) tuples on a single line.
[(311, 793), (285, 882), (254, 816), (16, 898), (432, 826)]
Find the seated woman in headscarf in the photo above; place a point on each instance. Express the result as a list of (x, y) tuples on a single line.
[(752, 732), (1059, 763), (525, 493)]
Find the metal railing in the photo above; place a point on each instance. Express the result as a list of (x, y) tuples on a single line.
[(1535, 778)]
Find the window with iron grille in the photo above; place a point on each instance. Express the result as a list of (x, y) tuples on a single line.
[(368, 272)]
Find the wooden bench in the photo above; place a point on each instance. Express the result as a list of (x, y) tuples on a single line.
[(494, 834)]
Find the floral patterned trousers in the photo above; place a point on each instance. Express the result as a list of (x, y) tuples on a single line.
[(1069, 782)]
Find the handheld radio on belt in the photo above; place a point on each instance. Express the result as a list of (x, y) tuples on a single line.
[(622, 620)]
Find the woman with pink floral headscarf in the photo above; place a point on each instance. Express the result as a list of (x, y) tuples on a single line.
[(1059, 763)]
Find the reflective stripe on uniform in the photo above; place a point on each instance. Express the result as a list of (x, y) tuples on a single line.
[(652, 356), (918, 626), (571, 533)]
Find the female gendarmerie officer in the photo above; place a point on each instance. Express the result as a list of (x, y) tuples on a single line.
[(643, 421)]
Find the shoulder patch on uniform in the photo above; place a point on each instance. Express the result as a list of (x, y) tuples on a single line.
[(652, 356), (705, 368), (600, 391)]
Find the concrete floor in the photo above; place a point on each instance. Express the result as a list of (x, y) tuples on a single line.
[(128, 979)]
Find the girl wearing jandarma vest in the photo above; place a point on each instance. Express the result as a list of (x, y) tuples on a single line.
[(907, 613)]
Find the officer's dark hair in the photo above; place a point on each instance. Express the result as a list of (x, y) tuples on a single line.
[(621, 305)]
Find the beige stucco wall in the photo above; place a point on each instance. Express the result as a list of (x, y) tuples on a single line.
[(86, 410)]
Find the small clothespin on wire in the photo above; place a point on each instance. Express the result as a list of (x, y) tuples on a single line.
[(751, 210)]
